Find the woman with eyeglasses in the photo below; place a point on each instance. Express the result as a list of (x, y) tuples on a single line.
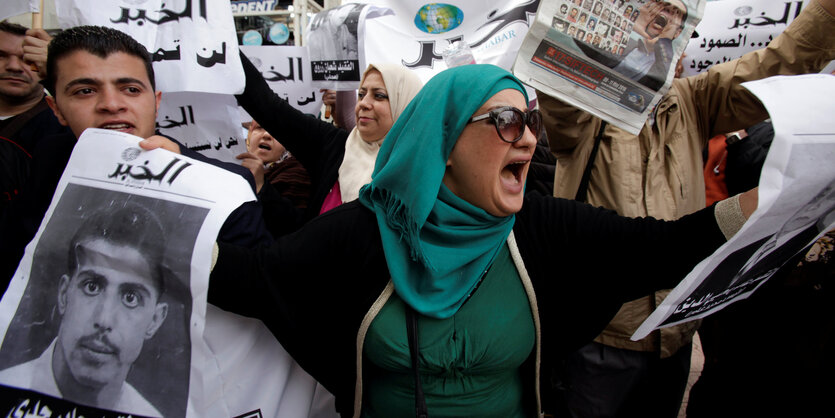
[(338, 161), (444, 290)]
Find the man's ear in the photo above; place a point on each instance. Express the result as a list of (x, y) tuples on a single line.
[(52, 105), (63, 286), (157, 100), (160, 312)]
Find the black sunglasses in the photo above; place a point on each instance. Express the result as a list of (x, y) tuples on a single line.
[(510, 122)]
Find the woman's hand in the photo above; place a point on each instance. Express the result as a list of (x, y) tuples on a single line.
[(256, 166), (748, 202)]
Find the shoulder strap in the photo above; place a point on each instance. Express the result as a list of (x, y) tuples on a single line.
[(584, 183), (414, 349), (17, 122)]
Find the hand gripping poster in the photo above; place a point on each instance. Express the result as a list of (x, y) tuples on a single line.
[(614, 59), (106, 315), (796, 203)]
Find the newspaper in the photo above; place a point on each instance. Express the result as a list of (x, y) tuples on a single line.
[(796, 203), (107, 313), (336, 44), (614, 59)]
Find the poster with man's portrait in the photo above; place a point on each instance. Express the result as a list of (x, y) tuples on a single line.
[(105, 314), (621, 71), (88, 305)]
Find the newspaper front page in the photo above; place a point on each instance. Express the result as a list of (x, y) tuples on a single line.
[(613, 59)]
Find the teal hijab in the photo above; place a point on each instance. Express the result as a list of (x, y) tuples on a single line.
[(437, 245)]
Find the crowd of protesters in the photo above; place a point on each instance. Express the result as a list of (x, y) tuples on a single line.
[(400, 259)]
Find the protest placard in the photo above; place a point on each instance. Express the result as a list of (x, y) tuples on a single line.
[(287, 71), (193, 43), (732, 28), (208, 123), (107, 313)]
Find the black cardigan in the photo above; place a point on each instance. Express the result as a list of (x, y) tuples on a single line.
[(313, 288), (318, 145)]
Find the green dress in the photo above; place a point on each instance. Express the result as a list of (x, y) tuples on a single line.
[(470, 364)]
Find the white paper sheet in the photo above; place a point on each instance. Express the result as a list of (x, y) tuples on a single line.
[(732, 28), (796, 203), (108, 172), (199, 361), (204, 122), (287, 71)]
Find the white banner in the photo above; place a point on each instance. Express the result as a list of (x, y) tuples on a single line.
[(287, 71), (193, 42), (204, 122), (732, 28), (796, 203), (417, 32), (11, 8)]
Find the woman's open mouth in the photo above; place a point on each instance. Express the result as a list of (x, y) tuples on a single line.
[(514, 171)]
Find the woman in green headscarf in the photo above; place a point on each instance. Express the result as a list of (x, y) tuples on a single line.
[(444, 287)]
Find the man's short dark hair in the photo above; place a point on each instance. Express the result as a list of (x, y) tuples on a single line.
[(97, 40), (13, 28), (128, 225)]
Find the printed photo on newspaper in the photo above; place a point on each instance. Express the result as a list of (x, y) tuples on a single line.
[(614, 59), (796, 203), (335, 41), (103, 316)]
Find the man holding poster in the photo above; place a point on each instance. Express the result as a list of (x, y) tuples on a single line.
[(102, 78)]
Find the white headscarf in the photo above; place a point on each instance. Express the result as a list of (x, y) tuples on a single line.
[(358, 163)]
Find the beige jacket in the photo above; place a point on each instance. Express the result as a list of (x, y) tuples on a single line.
[(659, 173)]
